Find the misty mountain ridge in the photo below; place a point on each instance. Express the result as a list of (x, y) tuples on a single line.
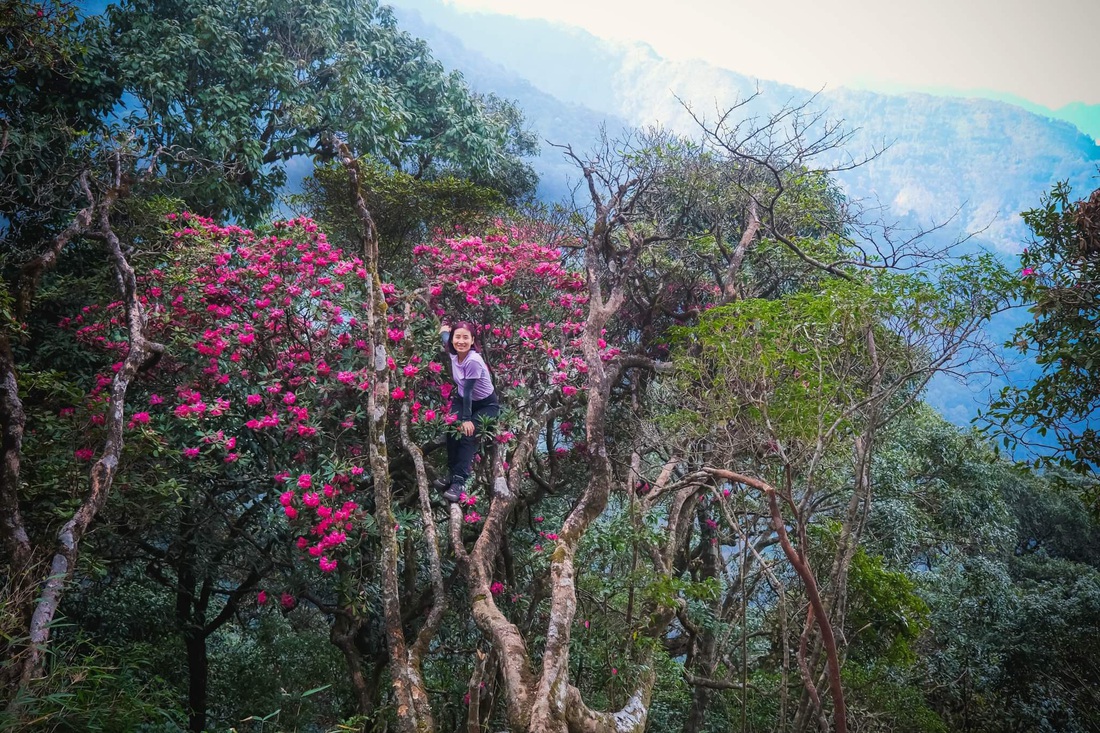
[(985, 158)]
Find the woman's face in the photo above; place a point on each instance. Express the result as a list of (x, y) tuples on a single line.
[(462, 340)]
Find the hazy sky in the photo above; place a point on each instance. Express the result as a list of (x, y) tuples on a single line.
[(1043, 50)]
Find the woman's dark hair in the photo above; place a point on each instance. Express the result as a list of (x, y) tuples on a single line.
[(473, 335)]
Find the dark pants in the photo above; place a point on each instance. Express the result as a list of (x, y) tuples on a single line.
[(461, 451)]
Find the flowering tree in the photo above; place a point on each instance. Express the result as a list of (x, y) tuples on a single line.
[(97, 125), (267, 374)]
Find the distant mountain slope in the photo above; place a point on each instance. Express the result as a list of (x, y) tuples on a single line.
[(990, 158)]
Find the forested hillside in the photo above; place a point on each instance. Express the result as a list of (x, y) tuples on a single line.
[(714, 498)]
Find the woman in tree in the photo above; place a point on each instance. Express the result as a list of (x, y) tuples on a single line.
[(477, 399)]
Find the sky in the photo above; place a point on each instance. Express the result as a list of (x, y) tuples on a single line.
[(1045, 52)]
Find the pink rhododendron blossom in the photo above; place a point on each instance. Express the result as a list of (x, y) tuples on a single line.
[(288, 601), (496, 588), (261, 598), (268, 320), (83, 454)]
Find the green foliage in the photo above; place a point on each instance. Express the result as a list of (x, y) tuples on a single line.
[(55, 92), (1010, 640), (1060, 282), (98, 687), (888, 701), (278, 662), (248, 86), (405, 208), (885, 614)]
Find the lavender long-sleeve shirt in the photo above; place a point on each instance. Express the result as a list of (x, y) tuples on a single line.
[(471, 376)]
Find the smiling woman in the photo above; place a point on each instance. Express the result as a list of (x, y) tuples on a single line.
[(478, 401)]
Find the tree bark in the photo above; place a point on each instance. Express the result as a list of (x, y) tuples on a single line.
[(198, 673), (103, 472), (706, 646), (342, 635), (13, 420), (413, 709)]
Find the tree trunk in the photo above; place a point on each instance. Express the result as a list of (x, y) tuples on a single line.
[(63, 564), (414, 713), (705, 658), (197, 678), (342, 635), (13, 420)]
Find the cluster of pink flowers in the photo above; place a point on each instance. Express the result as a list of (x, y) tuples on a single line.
[(261, 340), (266, 354), (528, 310)]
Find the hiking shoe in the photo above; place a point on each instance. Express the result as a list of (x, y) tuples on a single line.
[(441, 483), (454, 491)]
